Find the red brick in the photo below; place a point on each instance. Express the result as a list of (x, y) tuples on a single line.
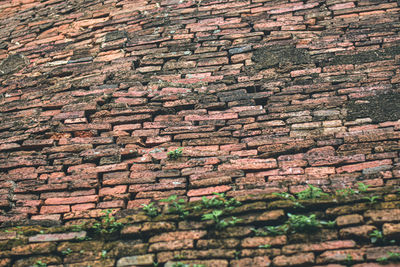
[(362, 166), (328, 245), (54, 209), (256, 261), (249, 164), (113, 190), (383, 215), (252, 242), (85, 206), (57, 237), (71, 200), (172, 245), (208, 190), (334, 256), (165, 237), (297, 259)]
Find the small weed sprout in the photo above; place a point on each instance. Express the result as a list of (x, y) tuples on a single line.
[(290, 197), (219, 223), (349, 259), (303, 223), (271, 230), (108, 224), (264, 246), (180, 264), (376, 236), (175, 154), (40, 264), (392, 256), (372, 199), (311, 192), (362, 188), (66, 251), (176, 206), (104, 254), (345, 192), (150, 210), (218, 201)]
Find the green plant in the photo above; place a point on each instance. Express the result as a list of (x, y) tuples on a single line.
[(285, 195), (392, 256), (180, 264), (376, 236), (264, 246), (175, 154), (271, 230), (329, 224), (66, 251), (372, 199), (311, 192), (219, 223), (362, 188), (77, 227), (345, 192), (107, 224), (150, 210), (40, 264), (349, 259), (288, 196), (176, 206), (104, 254), (218, 201), (303, 223)]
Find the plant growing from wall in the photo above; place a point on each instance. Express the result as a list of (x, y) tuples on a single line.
[(376, 236), (66, 251), (372, 199), (218, 201), (303, 223), (219, 223), (311, 192), (176, 206), (290, 197), (180, 264), (271, 230), (107, 224), (175, 154), (150, 210), (40, 264), (392, 257), (362, 188)]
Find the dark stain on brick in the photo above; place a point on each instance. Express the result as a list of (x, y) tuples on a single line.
[(13, 63), (380, 108), (268, 57), (365, 56)]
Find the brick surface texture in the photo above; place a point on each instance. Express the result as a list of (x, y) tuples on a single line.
[(107, 106)]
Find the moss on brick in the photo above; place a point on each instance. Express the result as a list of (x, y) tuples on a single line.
[(380, 108)]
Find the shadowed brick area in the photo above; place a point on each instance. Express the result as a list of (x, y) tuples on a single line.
[(114, 104)]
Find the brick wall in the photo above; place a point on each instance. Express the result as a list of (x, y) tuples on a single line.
[(262, 96)]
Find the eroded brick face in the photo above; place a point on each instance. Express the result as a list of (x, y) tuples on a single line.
[(117, 104)]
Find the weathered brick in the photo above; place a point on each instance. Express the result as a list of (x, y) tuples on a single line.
[(328, 245), (165, 237), (384, 215), (171, 245), (57, 237), (258, 241), (147, 259), (256, 261), (297, 259)]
